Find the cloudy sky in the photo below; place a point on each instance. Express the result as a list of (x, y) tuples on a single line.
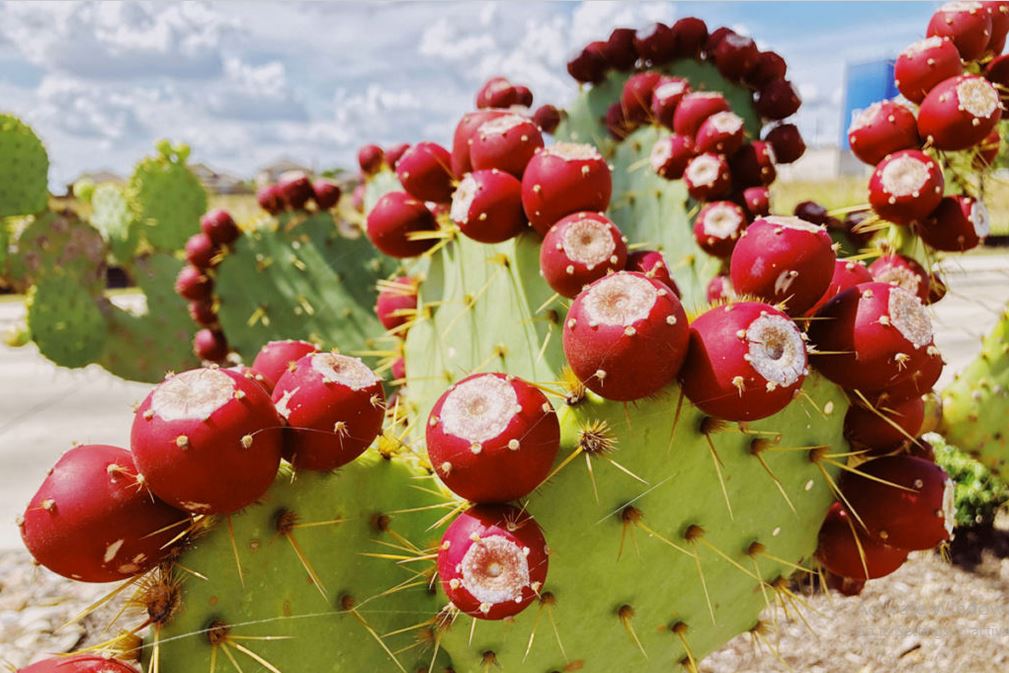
[(246, 83)]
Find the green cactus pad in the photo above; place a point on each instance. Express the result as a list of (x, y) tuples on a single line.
[(344, 516), (24, 169), (166, 200), (58, 241), (979, 492), (65, 321), (112, 217)]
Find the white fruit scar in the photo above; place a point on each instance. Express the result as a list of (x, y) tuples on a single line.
[(588, 241), (495, 570), (347, 371), (621, 299), (192, 395), (776, 350), (479, 409), (909, 317)]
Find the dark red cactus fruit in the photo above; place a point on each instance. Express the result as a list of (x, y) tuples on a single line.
[(492, 438), (852, 225), (924, 64), (547, 117), (847, 273), (589, 66), (207, 441), (506, 143), (201, 251), (959, 112), (210, 345), (718, 226), (783, 260), (653, 265), (579, 249), (523, 95), (721, 132), (278, 357), (884, 427), (903, 271), (620, 50), (846, 550), (671, 155), (734, 56), (425, 171), (719, 290), (487, 206), (394, 218), (394, 153), (999, 12), (871, 336), (396, 303), (295, 190), (656, 44), (694, 108), (906, 187), (269, 199), (758, 201), (715, 37), (370, 158), (666, 97), (83, 663), (753, 165), (193, 284), (220, 227), (333, 405), (463, 137), (93, 519), (625, 336), (493, 561), (398, 371), (616, 124), (746, 361), (988, 151), (997, 72), (937, 288), (811, 211), (496, 92), (562, 179), (777, 99), (919, 383), (202, 312), (326, 193), (845, 586), (707, 177), (958, 224), (689, 36), (913, 506), (636, 96), (882, 128), (787, 143), (768, 67), (967, 24)]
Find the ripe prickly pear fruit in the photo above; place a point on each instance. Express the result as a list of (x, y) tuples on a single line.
[(369, 158), (718, 226), (579, 249), (269, 199), (333, 405), (655, 43), (919, 383), (202, 312), (906, 187), (493, 561), (847, 273), (547, 117), (207, 441), (924, 64), (847, 551), (903, 271), (735, 55), (85, 663), (758, 201), (276, 358), (200, 251), (885, 426), (786, 142), (220, 227), (621, 53), (721, 132), (496, 92), (958, 224), (425, 171), (506, 143), (562, 179), (636, 97), (753, 165), (210, 345), (492, 438), (487, 206), (394, 218), (746, 361), (777, 99), (193, 284), (719, 289), (999, 12), (666, 97), (768, 67), (589, 66), (397, 302), (707, 177), (671, 155), (967, 24), (326, 193), (694, 108), (654, 265), (295, 190), (881, 129), (959, 112), (689, 36), (625, 336)]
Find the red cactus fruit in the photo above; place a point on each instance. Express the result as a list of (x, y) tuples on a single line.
[(394, 218), (269, 199), (278, 357), (721, 132), (492, 438), (716, 36), (93, 519), (906, 187), (871, 336), (496, 92), (207, 441), (547, 117), (333, 405), (523, 96), (563, 179), (847, 551), (958, 224), (757, 200), (719, 290), (625, 336), (988, 151), (493, 561), (846, 586), (718, 226), (487, 206), (999, 12), (398, 371), (369, 158), (707, 177), (671, 154), (201, 251), (210, 345), (753, 164), (462, 138), (767, 67), (656, 44), (636, 97), (202, 312), (616, 124), (694, 108), (734, 56), (326, 193), (882, 128), (394, 153), (620, 51), (652, 264), (847, 273), (580, 248), (589, 65), (219, 226), (937, 288), (919, 383), (885, 426), (82, 663), (783, 260), (506, 143), (903, 501), (959, 112), (666, 97), (193, 284), (997, 72), (924, 64), (689, 36), (746, 361), (357, 198), (787, 143), (777, 99), (903, 271), (295, 189), (425, 171), (396, 303), (967, 24)]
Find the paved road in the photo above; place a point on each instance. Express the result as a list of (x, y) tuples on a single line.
[(45, 408)]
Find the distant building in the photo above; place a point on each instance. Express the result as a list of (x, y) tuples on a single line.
[(220, 183), (864, 84), (271, 173)]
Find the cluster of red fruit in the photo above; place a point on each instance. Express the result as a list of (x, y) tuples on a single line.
[(294, 191)]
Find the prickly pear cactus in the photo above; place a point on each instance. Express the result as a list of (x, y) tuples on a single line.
[(980, 493), (24, 169), (64, 320), (112, 217), (166, 199), (57, 241)]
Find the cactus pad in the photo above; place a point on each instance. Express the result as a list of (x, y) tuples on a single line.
[(64, 320), (57, 241), (112, 217), (166, 200), (24, 169)]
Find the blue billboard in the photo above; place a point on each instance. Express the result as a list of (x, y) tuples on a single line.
[(865, 83)]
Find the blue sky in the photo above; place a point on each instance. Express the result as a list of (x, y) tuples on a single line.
[(249, 82)]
